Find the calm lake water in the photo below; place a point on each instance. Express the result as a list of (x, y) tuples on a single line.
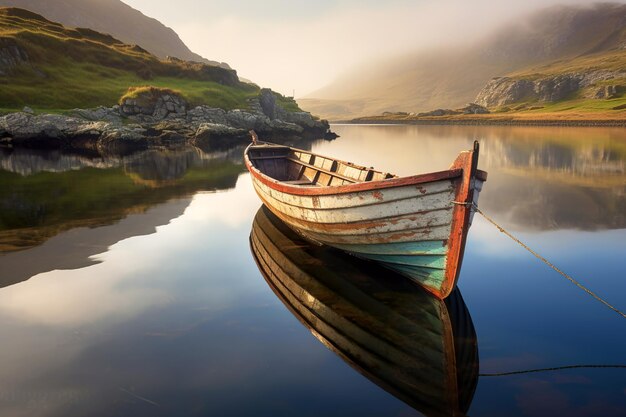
[(128, 287)]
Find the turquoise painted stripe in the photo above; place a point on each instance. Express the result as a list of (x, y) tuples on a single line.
[(429, 277), (431, 247), (424, 261)]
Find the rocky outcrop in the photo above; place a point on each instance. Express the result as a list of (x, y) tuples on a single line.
[(108, 114), (139, 123), (438, 113), (502, 91), (157, 104), (471, 108), (266, 103), (606, 91)]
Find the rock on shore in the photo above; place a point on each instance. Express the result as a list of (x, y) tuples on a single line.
[(165, 120)]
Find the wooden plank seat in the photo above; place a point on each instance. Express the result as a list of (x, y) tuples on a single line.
[(325, 171), (299, 182)]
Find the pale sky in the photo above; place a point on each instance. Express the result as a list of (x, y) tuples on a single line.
[(303, 45)]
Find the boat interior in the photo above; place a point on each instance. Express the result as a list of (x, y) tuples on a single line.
[(298, 167)]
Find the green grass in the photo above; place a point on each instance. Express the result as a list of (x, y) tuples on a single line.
[(611, 61), (576, 104), (78, 68), (147, 91), (85, 85), (582, 105), (80, 87), (287, 103)]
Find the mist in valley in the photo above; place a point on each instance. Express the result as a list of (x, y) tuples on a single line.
[(303, 47)]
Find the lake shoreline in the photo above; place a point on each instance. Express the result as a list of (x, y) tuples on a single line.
[(112, 130), (490, 122)]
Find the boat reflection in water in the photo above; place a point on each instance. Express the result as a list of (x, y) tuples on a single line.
[(420, 349)]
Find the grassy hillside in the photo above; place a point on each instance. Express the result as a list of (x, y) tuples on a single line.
[(69, 68), (453, 76), (612, 60), (116, 18)]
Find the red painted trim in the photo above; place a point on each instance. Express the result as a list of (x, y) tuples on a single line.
[(468, 162), (350, 188)]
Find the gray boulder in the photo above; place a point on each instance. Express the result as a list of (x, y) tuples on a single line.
[(439, 112), (242, 119), (213, 135), (154, 104), (109, 114), (206, 130), (205, 114), (606, 92), (285, 128), (267, 102), (473, 108)]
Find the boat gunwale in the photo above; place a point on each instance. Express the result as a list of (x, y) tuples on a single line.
[(348, 188)]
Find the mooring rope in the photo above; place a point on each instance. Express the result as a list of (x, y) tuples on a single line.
[(557, 368), (544, 260)]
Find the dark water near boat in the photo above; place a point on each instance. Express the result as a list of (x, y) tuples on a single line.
[(128, 286)]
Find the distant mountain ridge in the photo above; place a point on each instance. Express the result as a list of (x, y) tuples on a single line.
[(453, 77), (117, 19)]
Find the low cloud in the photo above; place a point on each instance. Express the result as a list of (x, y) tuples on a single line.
[(303, 52)]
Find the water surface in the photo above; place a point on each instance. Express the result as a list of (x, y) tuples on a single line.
[(128, 287)]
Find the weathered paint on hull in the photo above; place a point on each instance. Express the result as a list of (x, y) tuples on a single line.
[(417, 347), (411, 227)]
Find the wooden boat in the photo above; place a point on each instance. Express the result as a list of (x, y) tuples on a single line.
[(414, 225), (421, 349)]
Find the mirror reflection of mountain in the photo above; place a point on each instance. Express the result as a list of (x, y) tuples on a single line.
[(44, 194), (596, 163), (559, 183), (420, 349)]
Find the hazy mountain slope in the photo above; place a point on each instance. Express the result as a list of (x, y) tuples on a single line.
[(48, 66), (117, 19), (454, 76)]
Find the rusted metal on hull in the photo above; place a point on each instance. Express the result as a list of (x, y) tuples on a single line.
[(363, 211)]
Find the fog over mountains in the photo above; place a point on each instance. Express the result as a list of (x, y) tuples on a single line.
[(452, 77)]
